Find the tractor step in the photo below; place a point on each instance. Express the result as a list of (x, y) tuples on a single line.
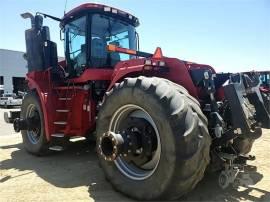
[(60, 123), (64, 98), (58, 135), (62, 110), (56, 148), (76, 138)]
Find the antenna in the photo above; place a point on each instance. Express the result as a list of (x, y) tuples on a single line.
[(65, 7)]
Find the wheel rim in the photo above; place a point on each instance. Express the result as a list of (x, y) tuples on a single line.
[(34, 134), (131, 169), (223, 180)]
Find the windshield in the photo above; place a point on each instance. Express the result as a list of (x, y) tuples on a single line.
[(106, 30)]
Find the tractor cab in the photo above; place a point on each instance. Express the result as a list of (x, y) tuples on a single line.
[(89, 29)]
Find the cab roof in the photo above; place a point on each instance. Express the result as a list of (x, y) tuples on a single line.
[(100, 8)]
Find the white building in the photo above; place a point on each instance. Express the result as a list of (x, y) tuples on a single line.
[(12, 71), (13, 68)]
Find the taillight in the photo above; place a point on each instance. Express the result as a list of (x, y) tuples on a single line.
[(162, 63), (155, 65), (148, 62)]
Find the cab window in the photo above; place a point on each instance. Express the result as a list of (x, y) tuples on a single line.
[(106, 30), (76, 44)]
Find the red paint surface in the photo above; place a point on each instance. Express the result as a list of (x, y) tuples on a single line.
[(81, 118)]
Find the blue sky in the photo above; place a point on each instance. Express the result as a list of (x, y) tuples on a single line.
[(230, 35)]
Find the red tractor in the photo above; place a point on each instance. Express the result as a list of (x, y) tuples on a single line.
[(158, 122)]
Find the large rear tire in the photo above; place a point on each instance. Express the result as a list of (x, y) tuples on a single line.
[(34, 141), (181, 130)]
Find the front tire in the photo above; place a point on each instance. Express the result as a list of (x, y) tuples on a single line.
[(181, 129), (34, 141)]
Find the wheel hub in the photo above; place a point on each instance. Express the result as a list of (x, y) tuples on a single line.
[(137, 155), (135, 143)]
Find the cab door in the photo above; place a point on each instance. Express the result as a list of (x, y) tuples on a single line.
[(76, 45)]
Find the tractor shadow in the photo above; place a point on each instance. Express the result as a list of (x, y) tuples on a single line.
[(209, 190), (67, 169), (78, 166)]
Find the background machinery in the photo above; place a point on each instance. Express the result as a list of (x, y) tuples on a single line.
[(158, 121), (265, 88)]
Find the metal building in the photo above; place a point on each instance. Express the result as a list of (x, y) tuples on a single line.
[(12, 71)]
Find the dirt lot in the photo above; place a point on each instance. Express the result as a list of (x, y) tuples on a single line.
[(74, 175)]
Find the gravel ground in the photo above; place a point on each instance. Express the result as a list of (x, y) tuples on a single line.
[(74, 175)]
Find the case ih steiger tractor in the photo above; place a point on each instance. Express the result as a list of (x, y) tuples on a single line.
[(158, 122)]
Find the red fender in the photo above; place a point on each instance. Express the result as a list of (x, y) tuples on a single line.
[(125, 68), (178, 72), (33, 85)]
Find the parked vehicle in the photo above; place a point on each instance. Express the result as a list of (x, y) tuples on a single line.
[(10, 116), (9, 100), (265, 88), (159, 121)]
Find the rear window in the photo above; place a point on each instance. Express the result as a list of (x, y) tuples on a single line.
[(3, 98)]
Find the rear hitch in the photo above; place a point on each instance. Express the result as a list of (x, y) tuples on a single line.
[(242, 159), (234, 173)]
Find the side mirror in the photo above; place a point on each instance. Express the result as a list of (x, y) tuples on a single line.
[(61, 34)]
